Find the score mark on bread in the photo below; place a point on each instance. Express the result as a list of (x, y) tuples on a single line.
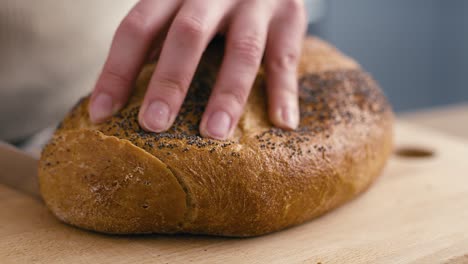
[(117, 178)]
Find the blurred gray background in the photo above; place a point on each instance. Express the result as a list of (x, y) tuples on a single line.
[(417, 50)]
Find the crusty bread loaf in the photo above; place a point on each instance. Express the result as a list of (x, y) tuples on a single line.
[(117, 178)]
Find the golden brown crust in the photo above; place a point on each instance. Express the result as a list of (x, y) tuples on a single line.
[(262, 180), (107, 184)]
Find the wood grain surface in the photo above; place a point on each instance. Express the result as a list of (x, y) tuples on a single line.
[(451, 119), (417, 212)]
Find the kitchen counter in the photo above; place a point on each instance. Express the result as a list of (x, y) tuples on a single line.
[(452, 119), (415, 212)]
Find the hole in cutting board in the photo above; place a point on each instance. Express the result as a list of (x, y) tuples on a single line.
[(414, 152)]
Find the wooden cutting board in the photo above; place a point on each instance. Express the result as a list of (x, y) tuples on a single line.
[(416, 212)]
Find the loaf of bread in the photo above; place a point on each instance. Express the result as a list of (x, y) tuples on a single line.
[(116, 178)]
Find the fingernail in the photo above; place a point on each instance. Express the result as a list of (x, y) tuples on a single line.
[(219, 125), (289, 117), (156, 116), (101, 108)]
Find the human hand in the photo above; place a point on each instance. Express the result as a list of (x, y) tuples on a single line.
[(253, 28)]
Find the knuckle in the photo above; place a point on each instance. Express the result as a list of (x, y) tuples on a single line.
[(285, 62), (170, 85), (113, 79), (249, 49), (190, 26), (236, 94), (294, 6), (289, 90), (135, 24)]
